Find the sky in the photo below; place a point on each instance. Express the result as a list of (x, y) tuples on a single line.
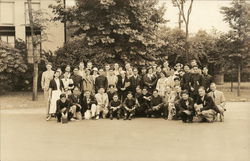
[(205, 15)]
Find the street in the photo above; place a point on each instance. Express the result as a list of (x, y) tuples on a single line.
[(25, 135)]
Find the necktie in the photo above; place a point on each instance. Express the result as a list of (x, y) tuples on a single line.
[(213, 95)]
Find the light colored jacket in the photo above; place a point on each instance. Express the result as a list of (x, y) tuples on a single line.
[(218, 98)]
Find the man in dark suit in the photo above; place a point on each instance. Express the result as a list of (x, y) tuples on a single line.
[(196, 80), (123, 85), (87, 101), (156, 105), (186, 78), (186, 106), (101, 81), (135, 80), (205, 106), (74, 99), (207, 79), (77, 80), (63, 108)]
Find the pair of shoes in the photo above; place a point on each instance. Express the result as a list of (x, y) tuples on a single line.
[(111, 117), (125, 117), (59, 120), (48, 117), (130, 117), (72, 119)]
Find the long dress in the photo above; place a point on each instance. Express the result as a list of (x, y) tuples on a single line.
[(56, 85), (161, 86)]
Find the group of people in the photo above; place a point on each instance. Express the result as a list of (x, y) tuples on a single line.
[(181, 92)]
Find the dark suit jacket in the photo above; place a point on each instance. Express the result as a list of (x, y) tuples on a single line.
[(121, 84), (74, 99), (77, 80), (101, 81), (60, 105), (150, 83), (196, 81), (135, 82), (185, 81), (183, 106), (85, 105), (53, 85), (207, 80), (207, 103)]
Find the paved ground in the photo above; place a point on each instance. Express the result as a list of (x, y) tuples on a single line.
[(25, 135)]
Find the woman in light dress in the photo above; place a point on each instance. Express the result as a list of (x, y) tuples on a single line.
[(55, 90), (162, 84)]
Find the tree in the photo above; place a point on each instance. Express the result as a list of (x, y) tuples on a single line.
[(174, 45), (112, 29), (237, 16), (185, 17), (12, 65)]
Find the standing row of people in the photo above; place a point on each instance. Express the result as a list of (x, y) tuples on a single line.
[(180, 92)]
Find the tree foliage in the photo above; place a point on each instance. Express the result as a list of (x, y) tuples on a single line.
[(111, 30), (12, 66), (238, 18)]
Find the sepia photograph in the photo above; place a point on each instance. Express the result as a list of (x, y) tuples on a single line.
[(124, 80)]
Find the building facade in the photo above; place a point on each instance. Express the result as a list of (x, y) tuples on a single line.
[(14, 24)]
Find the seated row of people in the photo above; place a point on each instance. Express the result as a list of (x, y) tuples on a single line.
[(174, 105)]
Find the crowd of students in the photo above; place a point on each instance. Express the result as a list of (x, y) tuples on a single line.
[(158, 90)]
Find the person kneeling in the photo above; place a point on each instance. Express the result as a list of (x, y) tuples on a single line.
[(115, 107), (156, 105), (186, 106), (129, 105), (63, 108), (205, 106)]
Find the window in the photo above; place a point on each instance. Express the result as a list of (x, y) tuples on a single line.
[(37, 36), (35, 7), (7, 34), (7, 13)]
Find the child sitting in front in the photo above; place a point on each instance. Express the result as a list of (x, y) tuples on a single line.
[(115, 107), (129, 105)]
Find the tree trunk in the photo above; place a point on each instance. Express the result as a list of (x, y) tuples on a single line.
[(232, 85), (35, 62), (219, 79), (239, 74)]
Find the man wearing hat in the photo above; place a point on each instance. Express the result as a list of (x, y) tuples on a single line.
[(47, 76)]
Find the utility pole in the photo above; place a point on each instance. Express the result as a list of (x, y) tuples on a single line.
[(239, 77), (35, 59), (65, 25)]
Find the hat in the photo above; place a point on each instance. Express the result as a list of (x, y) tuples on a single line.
[(95, 69)]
